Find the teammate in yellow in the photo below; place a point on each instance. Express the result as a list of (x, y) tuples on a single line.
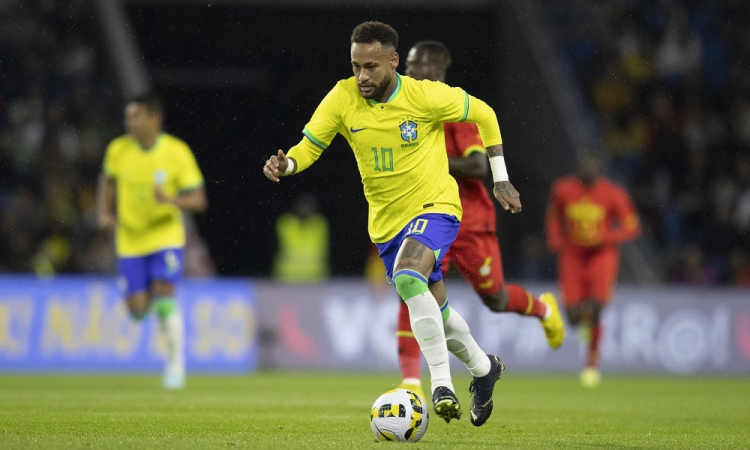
[(394, 125), (149, 177)]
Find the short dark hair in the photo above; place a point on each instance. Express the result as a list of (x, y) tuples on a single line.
[(151, 100), (436, 48), (374, 31)]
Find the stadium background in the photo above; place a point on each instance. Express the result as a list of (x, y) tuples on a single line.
[(240, 80)]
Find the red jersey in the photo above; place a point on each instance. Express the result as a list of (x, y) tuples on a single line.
[(584, 217), (462, 139)]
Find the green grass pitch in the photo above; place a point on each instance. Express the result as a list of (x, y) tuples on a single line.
[(269, 410)]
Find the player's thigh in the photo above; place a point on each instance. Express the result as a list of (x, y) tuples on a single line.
[(134, 281), (165, 270), (571, 274), (415, 255), (477, 258), (602, 274), (426, 239)]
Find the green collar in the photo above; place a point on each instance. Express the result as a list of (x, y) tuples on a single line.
[(393, 94)]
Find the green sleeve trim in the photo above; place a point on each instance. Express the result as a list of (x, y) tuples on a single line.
[(474, 149), (191, 187), (466, 107), (313, 139)]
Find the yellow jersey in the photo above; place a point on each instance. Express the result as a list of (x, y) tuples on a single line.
[(399, 146), (143, 225)]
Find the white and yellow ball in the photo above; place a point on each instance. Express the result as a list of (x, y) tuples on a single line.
[(399, 415)]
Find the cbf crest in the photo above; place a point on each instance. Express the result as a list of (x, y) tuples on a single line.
[(408, 130)]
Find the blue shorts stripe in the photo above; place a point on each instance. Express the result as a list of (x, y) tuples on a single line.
[(413, 273), (444, 307)]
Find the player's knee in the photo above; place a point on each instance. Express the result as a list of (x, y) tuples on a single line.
[(595, 305), (138, 314), (409, 283), (497, 302), (574, 314), (138, 305)]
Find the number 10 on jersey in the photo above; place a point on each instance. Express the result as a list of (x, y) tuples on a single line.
[(386, 159)]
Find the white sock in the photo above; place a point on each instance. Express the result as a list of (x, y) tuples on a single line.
[(427, 326), (174, 336), (462, 344)]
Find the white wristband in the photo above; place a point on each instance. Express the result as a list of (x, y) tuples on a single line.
[(289, 167), (499, 172)]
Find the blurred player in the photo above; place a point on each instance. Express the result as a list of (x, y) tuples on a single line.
[(148, 179), (588, 217), (476, 251), (394, 127)]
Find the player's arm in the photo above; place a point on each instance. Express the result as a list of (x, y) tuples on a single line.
[(299, 158), (553, 222), (473, 160), (455, 105), (192, 200), (105, 202), (191, 192), (474, 165), (317, 136), (627, 224), (484, 116)]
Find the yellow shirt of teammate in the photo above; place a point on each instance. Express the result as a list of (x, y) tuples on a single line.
[(396, 141), (145, 225)]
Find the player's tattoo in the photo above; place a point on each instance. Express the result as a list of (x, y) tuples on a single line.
[(416, 256), (506, 189)]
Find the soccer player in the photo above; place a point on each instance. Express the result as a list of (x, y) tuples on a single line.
[(394, 126), (587, 218), (476, 251), (149, 177)]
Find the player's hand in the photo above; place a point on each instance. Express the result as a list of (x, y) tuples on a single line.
[(508, 196), (275, 166), (161, 197), (106, 222)]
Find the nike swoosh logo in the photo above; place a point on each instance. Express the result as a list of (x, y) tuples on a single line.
[(431, 337), (356, 130)]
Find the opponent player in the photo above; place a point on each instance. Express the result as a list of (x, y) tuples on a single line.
[(588, 217), (148, 178), (394, 127), (476, 251)]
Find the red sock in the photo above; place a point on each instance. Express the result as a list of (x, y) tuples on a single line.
[(593, 357), (522, 302), (409, 357)]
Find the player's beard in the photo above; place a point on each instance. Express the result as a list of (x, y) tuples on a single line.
[(379, 90)]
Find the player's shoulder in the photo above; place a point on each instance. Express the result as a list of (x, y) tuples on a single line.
[(121, 143), (346, 87), (565, 181), (174, 143), (423, 86)]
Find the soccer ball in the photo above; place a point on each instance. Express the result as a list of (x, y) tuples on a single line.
[(399, 415)]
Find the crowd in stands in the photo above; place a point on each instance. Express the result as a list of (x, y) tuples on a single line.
[(54, 123), (58, 111), (669, 83)]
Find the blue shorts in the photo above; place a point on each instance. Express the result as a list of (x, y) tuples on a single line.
[(436, 231), (137, 272)]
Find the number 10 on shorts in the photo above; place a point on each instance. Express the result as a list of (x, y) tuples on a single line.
[(417, 227)]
